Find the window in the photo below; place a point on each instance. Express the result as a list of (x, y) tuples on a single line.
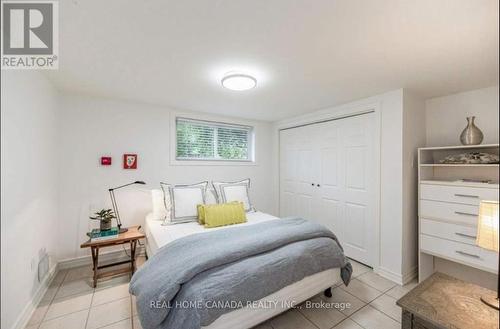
[(206, 140)]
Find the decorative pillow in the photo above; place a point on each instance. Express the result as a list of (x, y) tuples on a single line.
[(215, 215), (159, 208), (234, 191), (210, 196), (183, 200), (201, 213), (201, 207)]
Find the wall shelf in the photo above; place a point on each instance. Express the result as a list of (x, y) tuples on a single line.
[(459, 147), (458, 165)]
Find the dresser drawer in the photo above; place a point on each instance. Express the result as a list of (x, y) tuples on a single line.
[(456, 212), (460, 252), (457, 194), (459, 233)]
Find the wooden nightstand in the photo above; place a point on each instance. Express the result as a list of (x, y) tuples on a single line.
[(131, 236)]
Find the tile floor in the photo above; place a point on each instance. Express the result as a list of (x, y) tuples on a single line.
[(71, 303)]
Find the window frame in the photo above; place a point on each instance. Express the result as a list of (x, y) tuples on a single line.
[(216, 121)]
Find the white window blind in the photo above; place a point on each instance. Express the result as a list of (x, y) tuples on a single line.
[(206, 140)]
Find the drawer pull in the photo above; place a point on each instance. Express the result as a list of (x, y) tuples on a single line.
[(466, 254), (465, 213), (466, 235), (467, 196)]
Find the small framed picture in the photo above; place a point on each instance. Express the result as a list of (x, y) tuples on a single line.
[(105, 161), (130, 161)]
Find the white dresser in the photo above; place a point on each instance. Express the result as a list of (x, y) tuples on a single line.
[(448, 209)]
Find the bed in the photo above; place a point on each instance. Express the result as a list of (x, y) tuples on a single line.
[(158, 235)]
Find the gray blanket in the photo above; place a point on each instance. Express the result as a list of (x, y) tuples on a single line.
[(191, 281)]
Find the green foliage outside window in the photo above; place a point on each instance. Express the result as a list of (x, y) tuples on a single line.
[(211, 141)]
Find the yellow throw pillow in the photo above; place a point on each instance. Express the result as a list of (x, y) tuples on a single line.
[(214, 215), (201, 210), (201, 213)]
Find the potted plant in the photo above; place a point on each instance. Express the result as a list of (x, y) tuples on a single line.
[(105, 216)]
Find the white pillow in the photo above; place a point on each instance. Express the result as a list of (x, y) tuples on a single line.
[(184, 201), (234, 191), (210, 196), (160, 210)]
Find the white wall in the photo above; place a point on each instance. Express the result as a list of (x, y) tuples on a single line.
[(92, 127), (445, 116), (414, 137), (29, 187), (391, 185), (392, 202)]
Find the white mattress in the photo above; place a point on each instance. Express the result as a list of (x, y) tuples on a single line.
[(158, 235)]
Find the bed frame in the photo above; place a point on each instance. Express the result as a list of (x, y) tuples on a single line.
[(298, 292), (288, 297)]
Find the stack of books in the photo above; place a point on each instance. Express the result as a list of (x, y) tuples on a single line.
[(98, 235)]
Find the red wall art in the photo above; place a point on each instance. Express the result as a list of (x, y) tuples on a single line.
[(130, 161), (105, 161)]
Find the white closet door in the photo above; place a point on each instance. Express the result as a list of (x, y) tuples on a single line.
[(297, 191), (327, 175), (330, 196), (358, 180)]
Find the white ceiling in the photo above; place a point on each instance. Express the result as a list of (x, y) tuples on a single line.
[(305, 54)]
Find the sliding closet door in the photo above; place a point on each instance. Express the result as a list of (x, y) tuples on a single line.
[(296, 156), (330, 186), (358, 192), (327, 175)]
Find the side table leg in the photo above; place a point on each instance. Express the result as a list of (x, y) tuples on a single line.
[(133, 244), (406, 320), (95, 260)]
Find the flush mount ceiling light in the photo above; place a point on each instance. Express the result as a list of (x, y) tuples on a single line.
[(238, 81)]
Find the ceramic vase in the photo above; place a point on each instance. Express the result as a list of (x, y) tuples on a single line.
[(471, 135)]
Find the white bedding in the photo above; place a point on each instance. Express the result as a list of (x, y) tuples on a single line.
[(158, 235)]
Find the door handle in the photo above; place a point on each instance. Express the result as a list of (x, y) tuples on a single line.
[(466, 254), (467, 196), (465, 213), (466, 235)]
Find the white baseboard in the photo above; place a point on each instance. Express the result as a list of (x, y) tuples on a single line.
[(400, 279), (30, 308), (390, 275), (110, 256), (412, 274)]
